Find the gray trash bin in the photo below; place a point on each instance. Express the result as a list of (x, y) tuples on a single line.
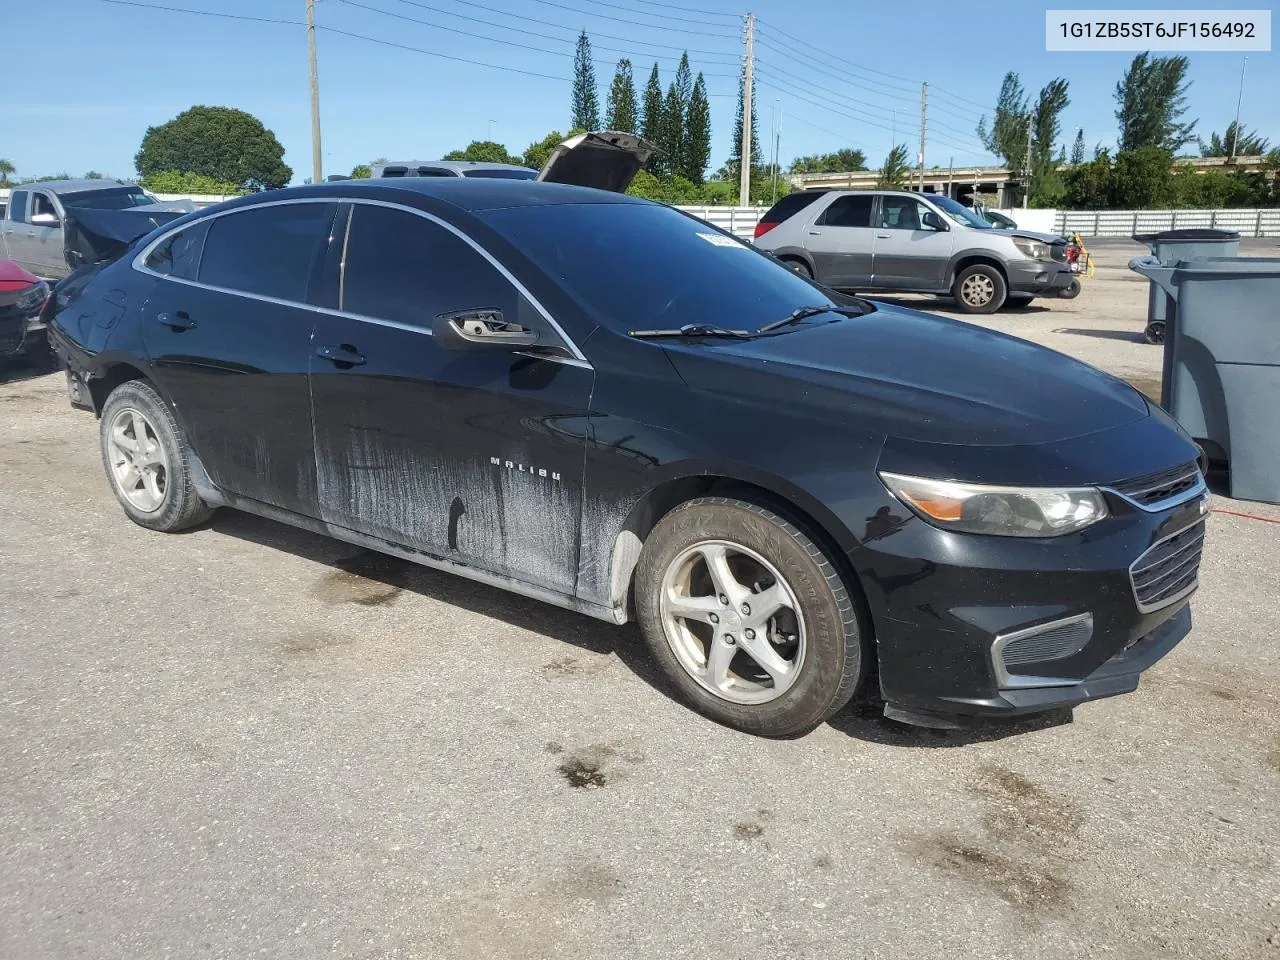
[(1170, 246), (1222, 362)]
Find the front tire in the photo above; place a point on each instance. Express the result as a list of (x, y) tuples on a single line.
[(1017, 302), (980, 288), (148, 461), (800, 267), (748, 618)]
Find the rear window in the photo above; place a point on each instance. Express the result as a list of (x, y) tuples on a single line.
[(502, 174), (643, 265), (848, 211), (790, 205), (266, 250), (107, 199)]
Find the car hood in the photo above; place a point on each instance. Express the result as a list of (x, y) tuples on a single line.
[(916, 376), (1049, 238), (606, 160), (92, 236)]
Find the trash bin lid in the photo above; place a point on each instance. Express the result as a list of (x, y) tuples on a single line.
[(1251, 267), (1189, 235)]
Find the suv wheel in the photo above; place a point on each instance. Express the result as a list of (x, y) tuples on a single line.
[(979, 289), (146, 459), (747, 617), (800, 267)]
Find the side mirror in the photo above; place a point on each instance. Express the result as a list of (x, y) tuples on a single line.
[(44, 220), (934, 222), (478, 329)]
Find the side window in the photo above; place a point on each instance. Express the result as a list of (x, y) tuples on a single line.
[(408, 269), (900, 213), (18, 206), (267, 250), (179, 255), (40, 203), (848, 211)]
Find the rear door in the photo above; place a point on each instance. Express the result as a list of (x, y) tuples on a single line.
[(475, 455), (909, 254), (841, 241), (228, 330), (18, 241)]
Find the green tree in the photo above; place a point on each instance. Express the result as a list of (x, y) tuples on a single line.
[(844, 160), (218, 142), (1047, 189), (586, 104), (671, 138), (1077, 148), (676, 114), (1152, 99), (1007, 135), (95, 175), (894, 171), (362, 171), (483, 151), (174, 181), (735, 154), (697, 148), (1142, 179), (538, 152), (1234, 142), (651, 124), (7, 169), (1088, 185), (621, 110)]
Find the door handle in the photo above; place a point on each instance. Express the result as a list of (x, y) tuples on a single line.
[(344, 355), (178, 321), (815, 233), (883, 236)]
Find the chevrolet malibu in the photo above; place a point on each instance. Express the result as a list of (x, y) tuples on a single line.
[(608, 405)]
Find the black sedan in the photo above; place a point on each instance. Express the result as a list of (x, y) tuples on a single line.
[(611, 406)]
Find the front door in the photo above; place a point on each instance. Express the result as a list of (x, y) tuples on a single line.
[(909, 254), (841, 242), (475, 455), (45, 246), (228, 331)]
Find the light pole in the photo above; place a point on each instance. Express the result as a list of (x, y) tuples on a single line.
[(777, 135)]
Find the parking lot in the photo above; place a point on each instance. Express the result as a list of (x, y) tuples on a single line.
[(248, 740)]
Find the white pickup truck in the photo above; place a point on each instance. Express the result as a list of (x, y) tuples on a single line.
[(50, 228)]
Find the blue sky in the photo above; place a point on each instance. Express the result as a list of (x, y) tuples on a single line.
[(96, 74)]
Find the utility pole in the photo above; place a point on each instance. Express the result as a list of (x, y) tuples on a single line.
[(1235, 137), (744, 161), (951, 166), (924, 111), (777, 141), (317, 171)]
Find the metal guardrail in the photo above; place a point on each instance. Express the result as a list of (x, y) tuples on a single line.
[(740, 221), (1126, 223)]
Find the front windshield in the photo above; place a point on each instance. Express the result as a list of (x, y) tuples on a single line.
[(638, 266), (960, 213), (121, 199)]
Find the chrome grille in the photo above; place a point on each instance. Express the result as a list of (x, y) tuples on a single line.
[(1160, 486), (1169, 570)]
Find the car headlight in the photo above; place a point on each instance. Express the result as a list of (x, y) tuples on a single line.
[(999, 511), (1035, 249), (34, 298)]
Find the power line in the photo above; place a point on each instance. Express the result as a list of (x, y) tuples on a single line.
[(734, 57), (644, 13), (203, 13), (635, 23), (678, 6), (480, 36)]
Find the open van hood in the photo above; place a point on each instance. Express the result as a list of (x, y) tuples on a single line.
[(606, 160)]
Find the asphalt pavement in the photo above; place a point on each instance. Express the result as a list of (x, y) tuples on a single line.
[(250, 741)]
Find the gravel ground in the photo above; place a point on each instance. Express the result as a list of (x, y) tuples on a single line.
[(247, 740)]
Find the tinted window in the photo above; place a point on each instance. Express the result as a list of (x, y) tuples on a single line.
[(18, 206), (42, 204), (790, 205), (266, 250), (179, 255), (643, 265), (901, 213), (406, 268), (502, 174), (120, 199), (848, 211)]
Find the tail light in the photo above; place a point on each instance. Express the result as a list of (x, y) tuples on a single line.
[(762, 228)]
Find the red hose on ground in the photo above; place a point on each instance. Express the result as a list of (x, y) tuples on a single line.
[(1246, 516)]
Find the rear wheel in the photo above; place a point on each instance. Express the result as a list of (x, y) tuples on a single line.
[(980, 288), (748, 617), (147, 460)]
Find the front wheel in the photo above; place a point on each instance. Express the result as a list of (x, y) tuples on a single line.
[(1017, 302), (980, 288), (748, 617), (1070, 291), (800, 267)]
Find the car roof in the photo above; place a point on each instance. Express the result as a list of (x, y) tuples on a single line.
[(471, 194), (75, 186)]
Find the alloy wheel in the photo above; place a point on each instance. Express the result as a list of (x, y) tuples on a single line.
[(977, 290), (139, 466), (733, 622)]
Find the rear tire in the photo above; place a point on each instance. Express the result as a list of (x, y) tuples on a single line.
[(777, 671), (980, 288), (147, 460)]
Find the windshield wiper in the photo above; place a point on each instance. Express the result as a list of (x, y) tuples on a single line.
[(694, 330), (804, 313)]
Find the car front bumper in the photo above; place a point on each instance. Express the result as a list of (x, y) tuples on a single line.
[(1040, 277)]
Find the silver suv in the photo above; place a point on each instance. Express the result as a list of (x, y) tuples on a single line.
[(883, 240)]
